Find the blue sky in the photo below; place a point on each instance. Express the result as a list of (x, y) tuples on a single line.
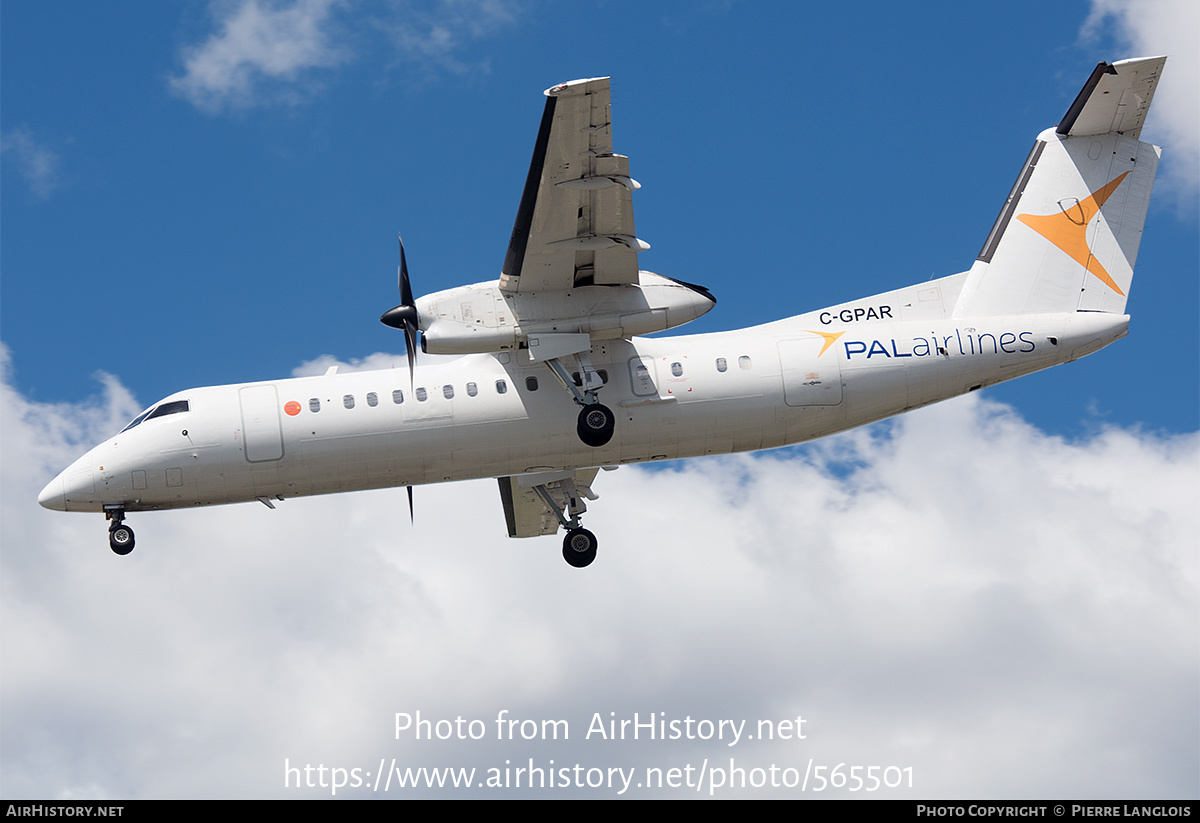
[(1001, 592), (203, 213)]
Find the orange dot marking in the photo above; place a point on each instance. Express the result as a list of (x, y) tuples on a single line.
[(292, 407)]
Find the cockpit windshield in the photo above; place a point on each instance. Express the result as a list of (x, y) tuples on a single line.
[(161, 410), (174, 407), (138, 419)]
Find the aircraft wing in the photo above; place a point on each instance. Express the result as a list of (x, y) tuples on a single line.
[(525, 511), (574, 225)]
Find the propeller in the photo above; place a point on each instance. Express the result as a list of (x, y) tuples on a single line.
[(404, 317)]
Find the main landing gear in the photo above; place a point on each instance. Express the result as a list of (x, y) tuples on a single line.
[(120, 536), (579, 546), (596, 421), (596, 424)]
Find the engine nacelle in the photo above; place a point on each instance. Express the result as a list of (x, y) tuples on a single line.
[(446, 336), (483, 318)]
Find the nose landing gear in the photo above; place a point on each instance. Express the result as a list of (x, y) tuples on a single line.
[(120, 536)]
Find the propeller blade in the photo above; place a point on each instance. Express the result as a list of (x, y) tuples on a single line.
[(410, 345), (406, 297), (410, 327), (404, 317), (411, 517)]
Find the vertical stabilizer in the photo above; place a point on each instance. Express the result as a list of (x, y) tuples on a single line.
[(1068, 235)]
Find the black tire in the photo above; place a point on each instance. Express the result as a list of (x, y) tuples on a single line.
[(579, 548), (596, 424), (120, 539)]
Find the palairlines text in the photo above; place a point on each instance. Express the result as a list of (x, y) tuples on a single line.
[(964, 342)]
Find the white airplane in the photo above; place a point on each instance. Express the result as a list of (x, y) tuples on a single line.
[(510, 361)]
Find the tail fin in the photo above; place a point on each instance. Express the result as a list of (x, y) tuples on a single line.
[(1068, 235)]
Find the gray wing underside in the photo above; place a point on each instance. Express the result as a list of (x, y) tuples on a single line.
[(574, 225), (1116, 98), (526, 514)]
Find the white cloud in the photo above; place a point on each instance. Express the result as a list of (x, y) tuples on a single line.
[(35, 162), (1170, 27), (1009, 613), (435, 39), (372, 362), (263, 52), (271, 51)]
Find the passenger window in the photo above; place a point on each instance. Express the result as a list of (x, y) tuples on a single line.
[(744, 362), (448, 391), (314, 405), (397, 397), (372, 399), (348, 401), (721, 364), (472, 390), (531, 383), (501, 387), (677, 369), (422, 395)]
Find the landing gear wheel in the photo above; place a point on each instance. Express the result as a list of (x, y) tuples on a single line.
[(120, 539), (596, 424), (579, 548)]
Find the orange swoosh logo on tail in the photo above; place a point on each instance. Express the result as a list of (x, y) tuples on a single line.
[(1068, 230)]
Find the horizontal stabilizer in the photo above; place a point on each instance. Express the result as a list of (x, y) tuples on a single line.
[(1116, 98)]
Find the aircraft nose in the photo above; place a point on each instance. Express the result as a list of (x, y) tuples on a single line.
[(54, 496)]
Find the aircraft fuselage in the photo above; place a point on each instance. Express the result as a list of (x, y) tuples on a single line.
[(493, 415)]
